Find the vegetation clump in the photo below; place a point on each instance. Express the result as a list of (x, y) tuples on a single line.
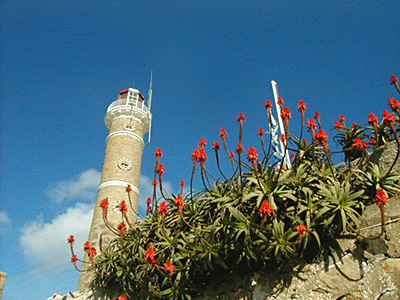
[(267, 212)]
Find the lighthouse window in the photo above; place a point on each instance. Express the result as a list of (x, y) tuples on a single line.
[(129, 126), (125, 164)]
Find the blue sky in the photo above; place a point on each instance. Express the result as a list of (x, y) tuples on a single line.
[(64, 62)]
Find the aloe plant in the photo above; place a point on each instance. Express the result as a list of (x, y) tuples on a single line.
[(262, 213)]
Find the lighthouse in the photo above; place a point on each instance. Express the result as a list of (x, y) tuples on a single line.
[(128, 119)]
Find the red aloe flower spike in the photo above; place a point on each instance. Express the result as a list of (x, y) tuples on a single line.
[(196, 159), (373, 119), (202, 143), (311, 125), (154, 182), (128, 190), (150, 256), (301, 106), (354, 125), (148, 209), (196, 155), (123, 208), (301, 229), (322, 137), (388, 117), (74, 260), (317, 116), (202, 156), (359, 144), (179, 202), (337, 125), (169, 268), (163, 209), (223, 134), (104, 204), (268, 104), (381, 198), (122, 227), (394, 80), (261, 133), (160, 170), (241, 118), (284, 139), (148, 201), (252, 156), (266, 209), (71, 240), (394, 105), (286, 114), (87, 246), (91, 252), (182, 184), (281, 101), (158, 153), (216, 146), (123, 297), (239, 149), (231, 156), (342, 120)]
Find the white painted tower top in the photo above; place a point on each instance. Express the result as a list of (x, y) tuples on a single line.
[(130, 102)]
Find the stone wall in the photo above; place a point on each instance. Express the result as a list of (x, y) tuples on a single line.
[(362, 269)]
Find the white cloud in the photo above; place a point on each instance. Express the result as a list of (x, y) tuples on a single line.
[(5, 221), (46, 243), (82, 188)]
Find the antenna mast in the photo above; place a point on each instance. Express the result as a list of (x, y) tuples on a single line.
[(149, 104)]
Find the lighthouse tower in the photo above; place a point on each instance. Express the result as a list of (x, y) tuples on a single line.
[(128, 119)]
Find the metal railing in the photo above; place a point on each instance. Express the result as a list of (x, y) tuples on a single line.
[(128, 102)]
